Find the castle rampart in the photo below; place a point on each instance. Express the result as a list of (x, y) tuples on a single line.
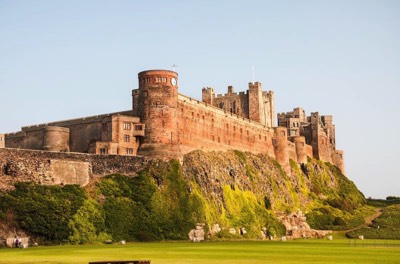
[(166, 124), (51, 168), (203, 126)]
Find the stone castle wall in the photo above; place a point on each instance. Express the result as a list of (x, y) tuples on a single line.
[(177, 124), (84, 135), (50, 168), (203, 126), (166, 124)]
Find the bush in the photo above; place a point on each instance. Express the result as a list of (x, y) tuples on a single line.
[(88, 224), (45, 211)]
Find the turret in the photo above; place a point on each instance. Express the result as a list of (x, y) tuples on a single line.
[(300, 143), (157, 108), (56, 139), (281, 148), (208, 95), (255, 101), (339, 161)]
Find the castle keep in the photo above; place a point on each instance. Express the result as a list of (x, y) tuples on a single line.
[(165, 124)]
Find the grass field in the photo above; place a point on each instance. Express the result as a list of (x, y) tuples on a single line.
[(299, 251)]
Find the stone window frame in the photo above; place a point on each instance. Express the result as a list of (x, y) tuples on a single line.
[(129, 151), (127, 138), (138, 127), (103, 151), (127, 126)]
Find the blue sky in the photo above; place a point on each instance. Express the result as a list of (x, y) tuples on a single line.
[(67, 59)]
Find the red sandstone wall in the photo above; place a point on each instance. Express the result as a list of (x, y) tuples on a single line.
[(308, 150), (292, 151), (208, 128), (325, 150)]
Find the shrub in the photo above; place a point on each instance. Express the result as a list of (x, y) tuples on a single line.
[(88, 224), (45, 211)]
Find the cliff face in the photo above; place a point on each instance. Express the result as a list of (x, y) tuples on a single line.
[(309, 186), (232, 179), (233, 194)]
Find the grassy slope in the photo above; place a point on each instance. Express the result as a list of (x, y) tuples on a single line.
[(387, 226), (299, 251)]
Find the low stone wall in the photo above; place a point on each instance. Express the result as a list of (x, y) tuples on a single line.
[(54, 168)]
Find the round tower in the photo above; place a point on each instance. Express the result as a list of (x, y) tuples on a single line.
[(281, 148), (158, 102), (300, 143), (339, 161), (56, 139)]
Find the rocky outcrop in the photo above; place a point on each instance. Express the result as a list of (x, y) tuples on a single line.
[(197, 234), (297, 227)]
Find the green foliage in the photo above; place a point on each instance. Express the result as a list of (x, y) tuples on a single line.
[(139, 189), (392, 198), (136, 210), (387, 226), (331, 218), (88, 224), (171, 206), (267, 203), (45, 211), (382, 203), (243, 210)]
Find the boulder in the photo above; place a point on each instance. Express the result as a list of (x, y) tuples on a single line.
[(197, 234)]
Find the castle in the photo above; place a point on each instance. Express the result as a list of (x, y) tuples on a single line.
[(166, 124)]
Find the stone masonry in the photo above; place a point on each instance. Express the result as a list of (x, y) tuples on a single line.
[(165, 124), (58, 168)]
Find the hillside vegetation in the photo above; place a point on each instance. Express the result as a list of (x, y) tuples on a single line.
[(232, 189), (386, 226)]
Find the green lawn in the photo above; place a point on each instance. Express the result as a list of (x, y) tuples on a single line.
[(298, 251)]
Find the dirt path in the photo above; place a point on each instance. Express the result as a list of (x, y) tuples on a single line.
[(368, 220)]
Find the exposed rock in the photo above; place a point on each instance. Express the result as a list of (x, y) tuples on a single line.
[(215, 229), (297, 227), (197, 234), (232, 231)]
